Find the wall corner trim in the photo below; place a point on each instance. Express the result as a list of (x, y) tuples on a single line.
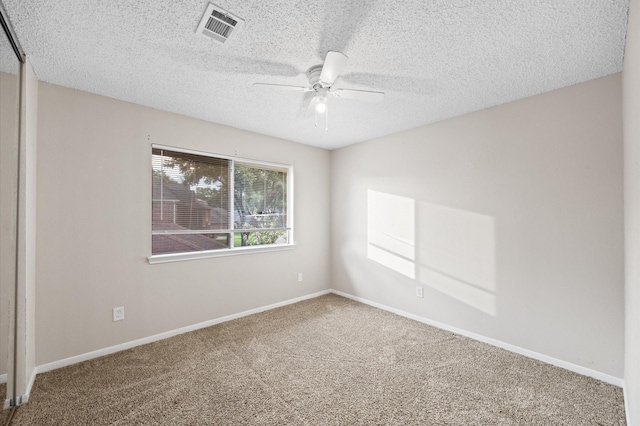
[(612, 380), (25, 398)]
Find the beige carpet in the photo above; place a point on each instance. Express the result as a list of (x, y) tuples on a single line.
[(326, 361), (3, 396)]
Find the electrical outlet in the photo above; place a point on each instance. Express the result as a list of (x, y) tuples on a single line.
[(299, 277), (118, 313), (418, 291)]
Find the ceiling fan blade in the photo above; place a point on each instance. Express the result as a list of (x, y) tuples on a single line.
[(359, 95), (333, 65), (286, 87)]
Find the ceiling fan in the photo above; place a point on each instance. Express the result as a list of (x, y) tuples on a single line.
[(321, 79)]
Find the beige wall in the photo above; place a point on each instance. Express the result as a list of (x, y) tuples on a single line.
[(9, 89), (94, 222), (510, 219), (631, 97), (19, 143), (27, 241)]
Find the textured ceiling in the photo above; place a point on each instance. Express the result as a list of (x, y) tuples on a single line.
[(434, 59)]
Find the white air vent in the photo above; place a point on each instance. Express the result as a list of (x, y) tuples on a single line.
[(219, 24)]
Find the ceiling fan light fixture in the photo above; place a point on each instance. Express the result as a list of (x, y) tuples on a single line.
[(321, 109), (321, 80), (321, 105)]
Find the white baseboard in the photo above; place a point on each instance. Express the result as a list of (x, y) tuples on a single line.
[(3, 378), (25, 398), (123, 346), (616, 381), (512, 348)]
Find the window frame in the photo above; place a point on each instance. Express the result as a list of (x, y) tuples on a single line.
[(233, 250)]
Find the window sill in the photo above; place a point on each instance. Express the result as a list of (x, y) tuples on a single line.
[(178, 257)]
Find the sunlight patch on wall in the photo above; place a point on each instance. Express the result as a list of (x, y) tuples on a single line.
[(456, 255), (391, 232)]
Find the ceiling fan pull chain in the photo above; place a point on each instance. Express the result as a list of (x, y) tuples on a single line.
[(326, 119)]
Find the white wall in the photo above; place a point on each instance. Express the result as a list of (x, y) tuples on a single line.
[(19, 143), (27, 245), (9, 89), (510, 219), (94, 223), (631, 97)]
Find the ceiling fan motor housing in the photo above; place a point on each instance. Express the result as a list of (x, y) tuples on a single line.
[(314, 77)]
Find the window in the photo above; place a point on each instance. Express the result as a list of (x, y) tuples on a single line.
[(207, 205)]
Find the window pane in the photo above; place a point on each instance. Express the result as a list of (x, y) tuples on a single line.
[(181, 243), (204, 203), (261, 237), (189, 192), (260, 202)]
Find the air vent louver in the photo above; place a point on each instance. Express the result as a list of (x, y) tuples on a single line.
[(219, 24)]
